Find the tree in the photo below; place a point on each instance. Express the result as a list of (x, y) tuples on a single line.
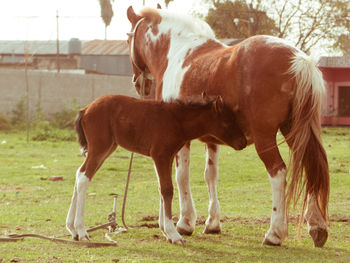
[(307, 23), (238, 20), (106, 13), (167, 2), (304, 23)]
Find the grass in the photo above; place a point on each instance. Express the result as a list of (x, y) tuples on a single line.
[(29, 203)]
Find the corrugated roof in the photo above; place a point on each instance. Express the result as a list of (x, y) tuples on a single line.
[(335, 62), (19, 47), (106, 47), (93, 47)]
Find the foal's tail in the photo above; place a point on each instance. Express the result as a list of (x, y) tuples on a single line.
[(307, 153), (80, 131)]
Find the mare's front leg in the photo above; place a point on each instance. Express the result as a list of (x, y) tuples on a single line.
[(187, 220), (212, 224), (163, 168), (75, 217)]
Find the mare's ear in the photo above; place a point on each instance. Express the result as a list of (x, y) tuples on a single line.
[(159, 6), (218, 104), (133, 18)]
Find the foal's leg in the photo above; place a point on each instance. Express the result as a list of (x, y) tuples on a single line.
[(72, 211), (268, 152), (187, 221), (75, 218), (212, 224), (82, 184), (163, 167)]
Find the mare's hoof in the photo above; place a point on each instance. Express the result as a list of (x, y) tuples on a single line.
[(268, 242), (319, 236), (76, 238), (208, 230), (183, 231)]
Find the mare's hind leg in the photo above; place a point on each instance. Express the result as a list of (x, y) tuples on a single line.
[(187, 220), (268, 152), (316, 224), (212, 224)]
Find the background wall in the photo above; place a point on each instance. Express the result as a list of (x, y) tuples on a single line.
[(53, 91)]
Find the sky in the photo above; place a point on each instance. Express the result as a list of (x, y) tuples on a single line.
[(36, 19)]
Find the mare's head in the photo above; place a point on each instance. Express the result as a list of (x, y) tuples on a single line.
[(142, 78), (225, 126)]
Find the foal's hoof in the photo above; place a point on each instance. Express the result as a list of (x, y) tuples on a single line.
[(84, 238), (319, 236), (76, 238), (177, 242), (268, 242)]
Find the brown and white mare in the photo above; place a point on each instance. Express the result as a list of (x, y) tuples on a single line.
[(151, 128), (271, 86)]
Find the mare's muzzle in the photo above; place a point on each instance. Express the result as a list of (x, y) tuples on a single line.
[(143, 83)]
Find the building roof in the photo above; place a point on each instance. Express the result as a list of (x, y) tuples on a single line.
[(20, 47), (93, 47), (335, 62), (105, 47)]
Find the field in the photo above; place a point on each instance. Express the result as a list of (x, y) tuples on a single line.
[(30, 203)]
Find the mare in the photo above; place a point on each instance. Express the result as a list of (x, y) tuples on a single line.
[(136, 125), (271, 86)]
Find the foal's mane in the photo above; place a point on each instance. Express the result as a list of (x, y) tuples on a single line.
[(179, 23)]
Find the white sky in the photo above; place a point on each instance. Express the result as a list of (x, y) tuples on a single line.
[(36, 19)]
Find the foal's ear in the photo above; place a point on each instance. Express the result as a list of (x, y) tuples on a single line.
[(133, 18), (218, 104), (205, 97), (159, 6)]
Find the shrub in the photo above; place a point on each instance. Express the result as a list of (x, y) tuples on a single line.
[(19, 114), (65, 118), (5, 124)]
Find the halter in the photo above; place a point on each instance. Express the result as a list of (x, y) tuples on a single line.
[(145, 74)]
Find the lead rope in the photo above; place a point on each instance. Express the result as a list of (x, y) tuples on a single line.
[(126, 190)]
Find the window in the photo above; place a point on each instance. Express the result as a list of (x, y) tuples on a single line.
[(344, 101)]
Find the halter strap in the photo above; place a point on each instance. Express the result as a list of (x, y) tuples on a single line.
[(144, 73)]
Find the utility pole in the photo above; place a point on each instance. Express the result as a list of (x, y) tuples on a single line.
[(57, 45), (27, 87)]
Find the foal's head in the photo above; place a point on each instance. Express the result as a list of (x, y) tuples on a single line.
[(225, 126)]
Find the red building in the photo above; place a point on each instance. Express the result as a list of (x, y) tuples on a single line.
[(336, 106)]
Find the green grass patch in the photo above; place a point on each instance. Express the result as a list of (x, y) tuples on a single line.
[(29, 203)]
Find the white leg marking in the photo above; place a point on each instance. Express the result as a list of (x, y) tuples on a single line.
[(171, 234), (188, 216), (82, 186), (71, 214), (313, 215), (211, 174), (161, 215), (278, 224)]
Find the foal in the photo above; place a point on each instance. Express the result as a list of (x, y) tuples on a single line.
[(151, 128)]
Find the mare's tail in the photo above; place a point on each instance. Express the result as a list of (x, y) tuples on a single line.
[(308, 159), (80, 132)]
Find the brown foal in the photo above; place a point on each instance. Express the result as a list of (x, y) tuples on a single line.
[(152, 128)]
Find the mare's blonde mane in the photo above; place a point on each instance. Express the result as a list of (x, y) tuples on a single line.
[(179, 23)]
